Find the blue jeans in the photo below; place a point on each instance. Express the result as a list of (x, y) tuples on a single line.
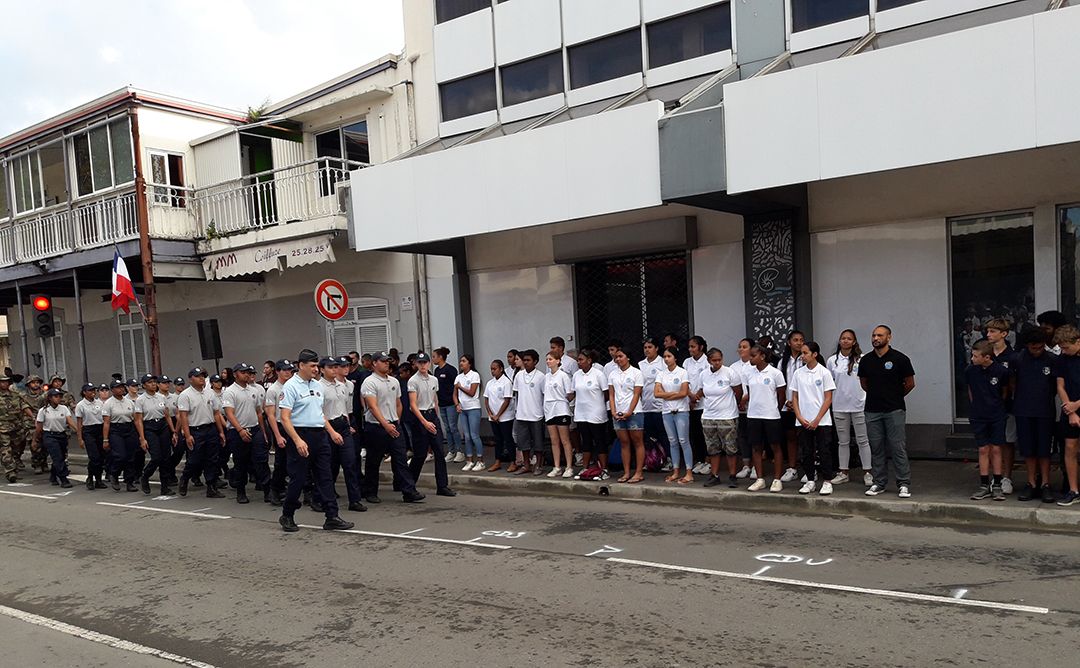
[(469, 424), (449, 417), (677, 426)]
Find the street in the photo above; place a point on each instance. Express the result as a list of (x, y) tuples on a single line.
[(511, 581)]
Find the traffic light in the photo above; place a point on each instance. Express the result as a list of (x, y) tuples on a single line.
[(43, 315)]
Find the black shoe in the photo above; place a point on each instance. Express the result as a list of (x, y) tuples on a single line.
[(317, 507), (1048, 495), (197, 483), (307, 499), (275, 498), (65, 483), (144, 484), (54, 482), (130, 487), (713, 481), (732, 482), (100, 484), (12, 477), (415, 497), (1027, 494), (266, 496), (372, 499), (182, 486), (445, 491), (258, 487), (212, 493), (357, 507), (337, 524), (90, 484), (241, 497), (167, 491), (288, 523)]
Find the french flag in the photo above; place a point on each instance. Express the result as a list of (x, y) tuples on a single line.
[(122, 291)]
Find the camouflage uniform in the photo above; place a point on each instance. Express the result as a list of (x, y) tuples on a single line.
[(12, 418), (38, 457)]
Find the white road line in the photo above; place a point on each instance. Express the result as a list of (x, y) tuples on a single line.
[(407, 533), (166, 510), (27, 494), (762, 570), (1011, 607), (101, 638), (960, 593), (428, 539)]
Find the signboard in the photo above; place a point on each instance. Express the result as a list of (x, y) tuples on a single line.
[(406, 304), (331, 299)]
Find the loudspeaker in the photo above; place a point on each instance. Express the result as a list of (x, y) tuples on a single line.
[(209, 339)]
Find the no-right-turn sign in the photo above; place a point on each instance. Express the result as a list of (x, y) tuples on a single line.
[(331, 299)]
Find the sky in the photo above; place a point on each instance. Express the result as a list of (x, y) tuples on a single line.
[(57, 54)]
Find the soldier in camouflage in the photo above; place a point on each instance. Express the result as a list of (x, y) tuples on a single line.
[(35, 396), (14, 412)]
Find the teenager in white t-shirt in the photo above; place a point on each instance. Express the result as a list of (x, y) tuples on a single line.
[(467, 401), (613, 346), (695, 365), (812, 389), (591, 411), (499, 404), (742, 367), (625, 384), (849, 402), (720, 395), (789, 362), (558, 393), (673, 388), (764, 397), (651, 407), (529, 413)]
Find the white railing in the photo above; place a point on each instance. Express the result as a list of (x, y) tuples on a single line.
[(298, 192), (86, 225)]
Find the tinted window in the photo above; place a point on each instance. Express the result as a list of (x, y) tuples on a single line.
[(690, 36), (882, 5), (605, 59), (468, 96), (532, 79), (807, 14), (446, 10), (356, 142)]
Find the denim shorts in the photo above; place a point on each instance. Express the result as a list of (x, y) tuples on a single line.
[(635, 422)]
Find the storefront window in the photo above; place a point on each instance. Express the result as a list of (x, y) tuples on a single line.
[(993, 277), (1069, 224)]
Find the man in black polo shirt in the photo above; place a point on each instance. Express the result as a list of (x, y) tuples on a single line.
[(887, 377)]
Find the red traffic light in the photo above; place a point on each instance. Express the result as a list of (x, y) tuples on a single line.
[(42, 303)]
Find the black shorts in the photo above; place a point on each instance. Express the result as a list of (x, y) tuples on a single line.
[(559, 421), (1067, 430), (988, 432), (1034, 436), (787, 420), (761, 433), (594, 437)]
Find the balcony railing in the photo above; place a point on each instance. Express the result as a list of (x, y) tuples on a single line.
[(86, 225)]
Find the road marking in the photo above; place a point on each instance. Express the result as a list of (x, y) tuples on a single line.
[(100, 638), (762, 570), (429, 539), (190, 513), (408, 533), (27, 494), (1012, 607), (959, 593), (607, 549)]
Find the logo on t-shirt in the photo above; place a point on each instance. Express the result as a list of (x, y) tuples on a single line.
[(888, 366), (1005, 364), (993, 381), (766, 381), (1046, 371), (818, 382)]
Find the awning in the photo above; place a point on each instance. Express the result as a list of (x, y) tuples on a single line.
[(277, 255)]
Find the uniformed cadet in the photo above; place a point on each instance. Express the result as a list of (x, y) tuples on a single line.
[(133, 388), (203, 430), (427, 436), (14, 409), (155, 427), (120, 438), (88, 423), (336, 405), (138, 457), (301, 413), (244, 437), (53, 420), (179, 447), (382, 432), (284, 370), (35, 396)]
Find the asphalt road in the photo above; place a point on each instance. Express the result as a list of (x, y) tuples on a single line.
[(512, 581)]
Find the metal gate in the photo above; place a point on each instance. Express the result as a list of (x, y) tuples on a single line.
[(631, 299)]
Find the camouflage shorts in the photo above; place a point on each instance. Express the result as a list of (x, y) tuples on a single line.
[(721, 436)]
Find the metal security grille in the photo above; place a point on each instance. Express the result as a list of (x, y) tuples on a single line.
[(631, 299)]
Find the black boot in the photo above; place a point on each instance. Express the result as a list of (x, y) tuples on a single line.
[(65, 483), (90, 483), (114, 481), (317, 506), (212, 493), (99, 483), (131, 487), (288, 523), (182, 488), (275, 498), (241, 496), (144, 485)]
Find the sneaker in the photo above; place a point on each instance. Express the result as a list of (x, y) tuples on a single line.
[(804, 479), (758, 485), (732, 482), (579, 459), (777, 486), (982, 493), (449, 457), (826, 489), (569, 472), (1069, 498), (874, 490), (1007, 485), (430, 456), (555, 472), (459, 457), (753, 474), (713, 481), (789, 475), (840, 479), (867, 479), (468, 467), (905, 492), (667, 467), (1048, 495), (998, 492), (808, 487), (743, 472), (538, 470), (1027, 493), (604, 475), (479, 466)]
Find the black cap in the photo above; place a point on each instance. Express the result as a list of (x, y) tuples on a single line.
[(343, 360), (180, 381), (132, 382), (197, 371), (103, 386), (117, 383), (216, 379), (243, 366), (329, 362), (422, 357), (55, 392), (307, 355), (382, 357), (285, 365), (90, 387), (147, 378)]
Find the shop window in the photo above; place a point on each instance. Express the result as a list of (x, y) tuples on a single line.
[(447, 10), (690, 36), (605, 59), (808, 14), (465, 97), (532, 79), (1069, 226)]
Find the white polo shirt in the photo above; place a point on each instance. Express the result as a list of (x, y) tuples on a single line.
[(529, 392), (811, 386), (762, 387), (622, 383), (590, 394)]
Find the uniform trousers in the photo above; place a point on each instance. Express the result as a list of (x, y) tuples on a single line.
[(344, 456), (159, 445), (318, 444), (202, 458), (55, 443), (123, 442), (91, 435), (378, 443), (424, 441)]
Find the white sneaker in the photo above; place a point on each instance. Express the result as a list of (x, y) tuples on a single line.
[(555, 472), (905, 492), (874, 490), (468, 466), (603, 475), (805, 479), (667, 467), (758, 485), (449, 457), (753, 474), (569, 472), (1006, 486), (430, 456), (840, 479), (808, 487), (777, 486), (743, 472), (578, 459), (867, 479), (459, 457), (789, 475), (479, 466), (826, 489)]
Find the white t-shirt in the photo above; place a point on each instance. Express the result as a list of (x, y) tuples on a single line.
[(567, 364), (590, 393), (649, 402), (529, 392), (623, 384), (762, 388), (671, 380), (495, 392), (466, 381), (556, 386), (694, 369), (719, 400), (794, 364), (849, 396), (743, 369), (610, 368), (811, 386)]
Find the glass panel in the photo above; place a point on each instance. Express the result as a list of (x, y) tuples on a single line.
[(807, 14), (99, 158), (52, 172), (5, 210), (123, 162), (690, 36), (532, 79), (27, 183), (84, 179), (159, 173), (468, 96), (356, 142), (328, 145), (993, 277), (1069, 216), (445, 10), (605, 59), (882, 5)]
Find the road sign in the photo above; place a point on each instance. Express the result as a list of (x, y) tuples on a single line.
[(331, 299)]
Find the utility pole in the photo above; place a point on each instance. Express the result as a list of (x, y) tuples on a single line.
[(146, 253)]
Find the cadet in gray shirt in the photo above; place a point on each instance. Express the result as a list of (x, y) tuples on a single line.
[(423, 403), (242, 402), (154, 425), (52, 419), (382, 432)]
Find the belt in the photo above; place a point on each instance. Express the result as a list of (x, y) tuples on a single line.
[(201, 427), (338, 420), (56, 433), (250, 429), (160, 422), (122, 425)]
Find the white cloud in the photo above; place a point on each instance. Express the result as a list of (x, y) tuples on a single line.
[(109, 54)]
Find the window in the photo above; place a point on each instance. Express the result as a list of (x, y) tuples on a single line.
[(882, 5), (1069, 226), (5, 210), (133, 348), (349, 143), (807, 14), (167, 169), (532, 79), (366, 328), (446, 10), (468, 96), (38, 178), (690, 36), (26, 182), (103, 157), (605, 59)]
